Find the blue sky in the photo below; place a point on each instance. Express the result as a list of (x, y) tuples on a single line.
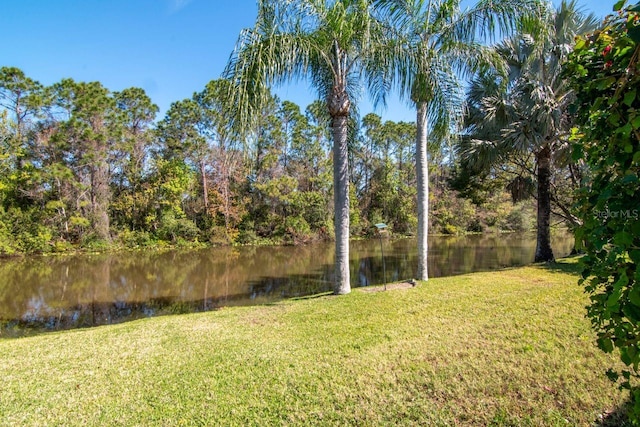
[(170, 48)]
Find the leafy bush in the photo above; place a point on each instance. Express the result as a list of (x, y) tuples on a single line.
[(297, 230), (218, 235), (93, 242), (604, 70), (7, 242), (135, 239), (313, 207), (173, 227), (450, 213), (246, 233), (61, 246), (475, 226), (22, 232), (451, 229), (520, 218)]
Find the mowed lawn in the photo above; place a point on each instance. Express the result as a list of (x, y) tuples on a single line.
[(501, 348)]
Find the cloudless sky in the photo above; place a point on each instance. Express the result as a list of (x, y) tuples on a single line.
[(170, 48)]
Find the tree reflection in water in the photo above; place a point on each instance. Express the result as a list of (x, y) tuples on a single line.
[(53, 293)]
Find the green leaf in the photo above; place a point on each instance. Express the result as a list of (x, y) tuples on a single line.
[(614, 119), (605, 344), (597, 103), (613, 299), (623, 238), (635, 257), (634, 33), (622, 281), (619, 5), (635, 122), (632, 311), (622, 52), (577, 153), (634, 296), (605, 82), (629, 97)]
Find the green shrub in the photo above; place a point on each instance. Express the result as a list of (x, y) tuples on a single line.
[(605, 75), (520, 218), (61, 246), (451, 229), (217, 235), (297, 230), (173, 227), (247, 233), (22, 232), (475, 226), (135, 239), (92, 242), (450, 213), (7, 243)]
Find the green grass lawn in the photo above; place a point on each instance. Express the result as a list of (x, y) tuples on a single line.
[(500, 348)]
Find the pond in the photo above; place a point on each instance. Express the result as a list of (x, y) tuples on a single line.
[(64, 292)]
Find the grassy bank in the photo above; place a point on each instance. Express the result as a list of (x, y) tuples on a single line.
[(501, 348)]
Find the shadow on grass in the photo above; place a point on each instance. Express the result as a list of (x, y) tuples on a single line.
[(315, 296), (616, 418), (569, 265), (301, 298)]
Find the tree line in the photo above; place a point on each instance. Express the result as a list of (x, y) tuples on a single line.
[(84, 166)]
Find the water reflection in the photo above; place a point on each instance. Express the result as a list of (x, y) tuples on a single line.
[(53, 293)]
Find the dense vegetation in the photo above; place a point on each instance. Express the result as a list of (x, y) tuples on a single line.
[(84, 166), (605, 75)]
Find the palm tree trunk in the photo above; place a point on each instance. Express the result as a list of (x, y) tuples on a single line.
[(544, 253), (422, 172), (341, 202)]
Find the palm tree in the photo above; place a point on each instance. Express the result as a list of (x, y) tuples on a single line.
[(441, 46), (334, 44), (524, 114)]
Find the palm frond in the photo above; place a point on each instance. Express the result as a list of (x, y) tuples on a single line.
[(329, 43), (528, 109)]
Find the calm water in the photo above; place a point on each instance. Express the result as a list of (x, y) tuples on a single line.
[(50, 293)]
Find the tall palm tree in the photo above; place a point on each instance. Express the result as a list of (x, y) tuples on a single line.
[(442, 45), (525, 112), (335, 44)]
